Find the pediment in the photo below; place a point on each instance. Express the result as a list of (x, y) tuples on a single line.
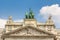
[(28, 31)]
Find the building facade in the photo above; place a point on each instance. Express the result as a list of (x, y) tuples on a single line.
[(30, 29)]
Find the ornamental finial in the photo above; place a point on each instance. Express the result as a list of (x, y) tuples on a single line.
[(10, 17), (50, 16)]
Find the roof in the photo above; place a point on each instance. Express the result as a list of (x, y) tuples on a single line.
[(26, 27), (17, 30), (15, 23)]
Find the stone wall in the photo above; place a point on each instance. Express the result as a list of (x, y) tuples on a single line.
[(30, 38), (1, 31), (0, 36)]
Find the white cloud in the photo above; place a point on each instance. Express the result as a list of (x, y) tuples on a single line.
[(53, 10), (21, 20), (3, 22)]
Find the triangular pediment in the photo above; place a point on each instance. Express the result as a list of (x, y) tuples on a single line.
[(28, 31)]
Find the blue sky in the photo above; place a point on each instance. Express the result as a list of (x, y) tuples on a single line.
[(17, 8)]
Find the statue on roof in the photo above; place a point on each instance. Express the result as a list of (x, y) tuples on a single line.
[(50, 17), (10, 18), (26, 15), (31, 15)]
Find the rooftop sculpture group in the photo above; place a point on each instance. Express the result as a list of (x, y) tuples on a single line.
[(29, 15)]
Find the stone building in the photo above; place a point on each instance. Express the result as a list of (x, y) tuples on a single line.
[(30, 29), (1, 31)]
